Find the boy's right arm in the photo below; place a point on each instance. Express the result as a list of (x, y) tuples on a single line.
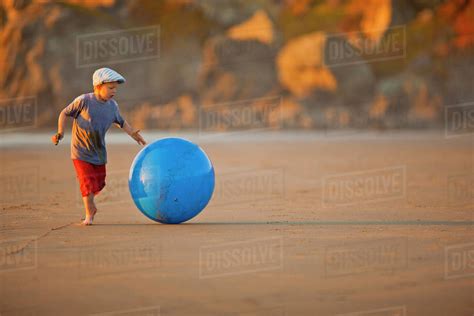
[(72, 110), (60, 134)]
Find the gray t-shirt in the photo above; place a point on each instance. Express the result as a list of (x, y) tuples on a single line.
[(92, 119)]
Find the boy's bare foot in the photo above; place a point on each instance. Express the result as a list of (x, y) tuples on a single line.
[(84, 222), (90, 213), (91, 209), (87, 221)]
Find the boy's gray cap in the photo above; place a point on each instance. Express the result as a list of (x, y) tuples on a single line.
[(104, 75)]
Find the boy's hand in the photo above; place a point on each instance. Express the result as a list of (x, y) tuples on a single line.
[(139, 139), (56, 138), (134, 133)]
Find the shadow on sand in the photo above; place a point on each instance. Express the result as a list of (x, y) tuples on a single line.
[(310, 223)]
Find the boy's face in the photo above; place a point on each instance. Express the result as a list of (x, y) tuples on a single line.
[(107, 90)]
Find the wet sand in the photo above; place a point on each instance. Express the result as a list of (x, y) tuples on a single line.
[(359, 224)]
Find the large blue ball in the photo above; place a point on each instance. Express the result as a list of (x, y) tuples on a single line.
[(171, 180)]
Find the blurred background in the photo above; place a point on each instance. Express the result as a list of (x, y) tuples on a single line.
[(286, 64)]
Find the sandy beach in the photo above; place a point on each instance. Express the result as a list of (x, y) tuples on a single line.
[(299, 224)]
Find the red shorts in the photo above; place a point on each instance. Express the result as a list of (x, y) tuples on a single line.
[(91, 177)]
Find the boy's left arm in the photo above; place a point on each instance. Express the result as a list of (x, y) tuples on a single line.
[(134, 133)]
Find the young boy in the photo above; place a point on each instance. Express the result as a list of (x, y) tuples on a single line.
[(93, 114)]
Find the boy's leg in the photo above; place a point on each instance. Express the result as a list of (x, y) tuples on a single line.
[(92, 181), (90, 207)]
